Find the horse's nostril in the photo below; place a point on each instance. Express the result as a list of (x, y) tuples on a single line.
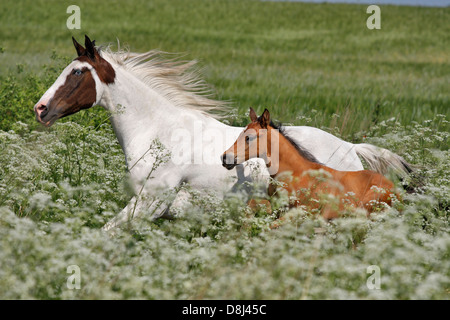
[(42, 110)]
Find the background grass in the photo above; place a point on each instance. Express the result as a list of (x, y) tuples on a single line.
[(290, 57), (313, 64)]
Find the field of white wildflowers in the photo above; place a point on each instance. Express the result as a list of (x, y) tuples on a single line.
[(312, 64), (59, 186)]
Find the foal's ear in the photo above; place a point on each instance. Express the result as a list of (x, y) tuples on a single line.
[(80, 50), (264, 120), (253, 115), (91, 52)]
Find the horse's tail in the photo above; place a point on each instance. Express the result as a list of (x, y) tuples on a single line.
[(382, 160)]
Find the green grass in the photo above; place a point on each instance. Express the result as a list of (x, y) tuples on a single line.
[(290, 57), (313, 64)]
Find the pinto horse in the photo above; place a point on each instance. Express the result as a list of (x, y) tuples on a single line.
[(150, 97), (296, 169)]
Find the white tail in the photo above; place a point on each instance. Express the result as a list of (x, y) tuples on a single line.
[(382, 160)]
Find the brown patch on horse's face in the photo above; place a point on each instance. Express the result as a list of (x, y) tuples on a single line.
[(91, 55), (103, 68), (77, 93)]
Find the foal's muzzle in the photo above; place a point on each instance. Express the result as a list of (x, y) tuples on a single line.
[(229, 161)]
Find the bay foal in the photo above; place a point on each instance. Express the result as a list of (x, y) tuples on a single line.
[(302, 176)]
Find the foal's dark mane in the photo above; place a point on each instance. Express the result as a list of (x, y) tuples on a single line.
[(302, 151)]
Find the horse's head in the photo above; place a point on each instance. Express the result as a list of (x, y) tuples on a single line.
[(253, 142), (80, 85)]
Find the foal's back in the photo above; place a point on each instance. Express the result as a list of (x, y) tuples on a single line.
[(369, 186), (364, 188)]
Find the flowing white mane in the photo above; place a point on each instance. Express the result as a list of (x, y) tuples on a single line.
[(177, 80)]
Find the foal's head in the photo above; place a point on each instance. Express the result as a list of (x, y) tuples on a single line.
[(80, 85), (253, 142)]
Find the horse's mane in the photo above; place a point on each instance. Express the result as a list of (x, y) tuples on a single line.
[(302, 151), (177, 80)]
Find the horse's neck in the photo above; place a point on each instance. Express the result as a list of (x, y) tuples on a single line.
[(288, 158), (139, 114)]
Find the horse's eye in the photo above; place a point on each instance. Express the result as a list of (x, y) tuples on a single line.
[(77, 72), (247, 139)]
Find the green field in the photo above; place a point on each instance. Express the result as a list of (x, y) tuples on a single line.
[(291, 57), (310, 64)]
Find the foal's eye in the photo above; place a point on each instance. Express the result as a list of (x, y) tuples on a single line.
[(249, 138), (77, 72)]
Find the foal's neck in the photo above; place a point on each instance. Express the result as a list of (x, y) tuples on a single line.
[(289, 159)]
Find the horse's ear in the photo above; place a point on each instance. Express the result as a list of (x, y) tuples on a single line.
[(80, 50), (264, 120), (253, 115), (91, 52)]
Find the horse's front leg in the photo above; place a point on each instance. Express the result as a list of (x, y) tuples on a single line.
[(136, 208), (133, 209), (154, 201)]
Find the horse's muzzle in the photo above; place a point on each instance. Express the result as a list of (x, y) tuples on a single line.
[(43, 114), (228, 161), (41, 110)]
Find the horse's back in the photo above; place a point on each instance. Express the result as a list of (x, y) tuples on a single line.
[(327, 148)]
